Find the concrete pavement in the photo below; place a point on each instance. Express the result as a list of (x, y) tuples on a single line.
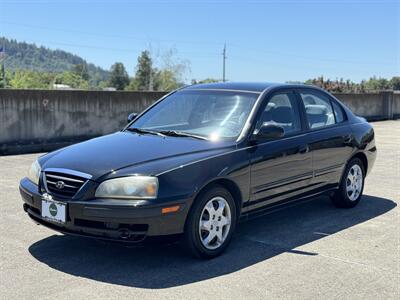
[(308, 251)]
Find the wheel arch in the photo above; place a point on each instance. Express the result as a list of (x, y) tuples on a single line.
[(361, 156), (234, 189), (229, 185)]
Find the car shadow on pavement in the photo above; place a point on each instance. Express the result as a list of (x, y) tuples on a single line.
[(164, 266)]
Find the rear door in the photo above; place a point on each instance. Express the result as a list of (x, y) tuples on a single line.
[(280, 168), (330, 137)]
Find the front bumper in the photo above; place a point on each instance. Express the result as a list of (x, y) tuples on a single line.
[(109, 219)]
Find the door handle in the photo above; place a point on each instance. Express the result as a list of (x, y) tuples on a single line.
[(303, 149), (347, 139)]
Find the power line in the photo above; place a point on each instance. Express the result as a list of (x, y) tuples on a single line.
[(296, 66), (192, 42), (124, 36), (312, 57), (206, 54)]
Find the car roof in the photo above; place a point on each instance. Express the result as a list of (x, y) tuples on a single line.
[(240, 86)]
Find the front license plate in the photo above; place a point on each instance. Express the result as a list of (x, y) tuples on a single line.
[(53, 211)]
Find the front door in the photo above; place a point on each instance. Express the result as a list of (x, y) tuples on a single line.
[(280, 168)]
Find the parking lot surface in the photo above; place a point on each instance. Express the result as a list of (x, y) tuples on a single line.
[(308, 251)]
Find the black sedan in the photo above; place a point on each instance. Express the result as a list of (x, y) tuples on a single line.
[(200, 159)]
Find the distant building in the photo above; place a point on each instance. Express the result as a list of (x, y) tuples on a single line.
[(109, 89)]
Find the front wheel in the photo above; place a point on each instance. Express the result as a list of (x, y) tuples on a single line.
[(211, 223), (352, 185)]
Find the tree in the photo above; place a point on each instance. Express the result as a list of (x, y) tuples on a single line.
[(72, 79), (377, 84), (207, 80), (166, 80), (395, 83), (168, 77), (144, 76), (119, 78), (25, 79), (171, 73), (81, 70), (3, 83), (372, 84), (25, 56)]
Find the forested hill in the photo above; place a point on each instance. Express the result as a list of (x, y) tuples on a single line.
[(24, 56)]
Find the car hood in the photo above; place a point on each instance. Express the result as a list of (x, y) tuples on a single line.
[(112, 153)]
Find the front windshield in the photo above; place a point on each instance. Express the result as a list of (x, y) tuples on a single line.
[(210, 114)]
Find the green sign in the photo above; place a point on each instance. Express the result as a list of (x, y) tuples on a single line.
[(53, 209)]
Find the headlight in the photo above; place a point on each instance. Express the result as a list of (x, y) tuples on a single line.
[(34, 172), (132, 187)]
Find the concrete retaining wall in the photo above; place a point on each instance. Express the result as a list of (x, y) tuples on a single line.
[(43, 120), (396, 105), (373, 106), (365, 105)]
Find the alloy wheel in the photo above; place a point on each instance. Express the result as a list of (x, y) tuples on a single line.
[(354, 182), (215, 222)]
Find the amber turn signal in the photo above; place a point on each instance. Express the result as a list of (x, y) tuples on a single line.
[(167, 210)]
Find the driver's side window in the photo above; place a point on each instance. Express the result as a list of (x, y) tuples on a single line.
[(282, 110)]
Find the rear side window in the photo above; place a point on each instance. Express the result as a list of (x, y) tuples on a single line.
[(318, 109), (339, 114)]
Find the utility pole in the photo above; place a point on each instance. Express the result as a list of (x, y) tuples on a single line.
[(223, 63)]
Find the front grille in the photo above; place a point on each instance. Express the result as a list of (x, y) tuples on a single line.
[(64, 185)]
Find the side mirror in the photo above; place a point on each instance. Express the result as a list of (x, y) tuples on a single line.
[(270, 131), (132, 117)]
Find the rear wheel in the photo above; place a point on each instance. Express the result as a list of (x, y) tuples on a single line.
[(211, 223), (352, 185)]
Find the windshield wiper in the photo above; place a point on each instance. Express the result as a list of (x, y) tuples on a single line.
[(182, 134), (145, 131)]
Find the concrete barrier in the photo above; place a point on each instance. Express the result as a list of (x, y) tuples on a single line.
[(373, 106), (44, 120), (396, 105)]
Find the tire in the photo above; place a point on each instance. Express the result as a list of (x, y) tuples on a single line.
[(349, 193), (217, 228)]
